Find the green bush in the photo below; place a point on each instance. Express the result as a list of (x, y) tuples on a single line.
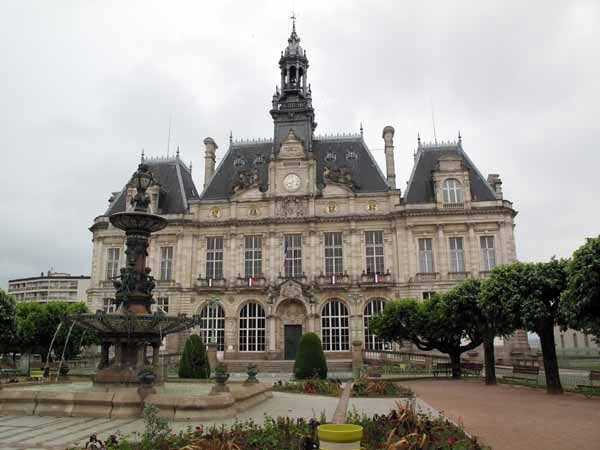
[(310, 360), (194, 361)]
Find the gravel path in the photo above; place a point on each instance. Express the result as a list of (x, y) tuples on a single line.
[(516, 418)]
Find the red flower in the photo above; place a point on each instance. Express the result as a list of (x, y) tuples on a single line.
[(451, 441)]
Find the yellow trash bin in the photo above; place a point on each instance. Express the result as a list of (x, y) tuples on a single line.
[(343, 436)]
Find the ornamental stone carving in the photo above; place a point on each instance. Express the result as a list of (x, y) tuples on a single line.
[(340, 175), (291, 290), (245, 179), (291, 207)]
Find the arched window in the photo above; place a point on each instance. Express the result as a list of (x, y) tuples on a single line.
[(334, 327), (292, 75), (212, 325), (373, 308), (252, 328), (453, 191)]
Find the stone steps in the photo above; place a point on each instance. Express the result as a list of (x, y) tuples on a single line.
[(283, 366)]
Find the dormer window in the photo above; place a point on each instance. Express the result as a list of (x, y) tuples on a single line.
[(452, 191), (351, 155), (330, 157), (239, 162)]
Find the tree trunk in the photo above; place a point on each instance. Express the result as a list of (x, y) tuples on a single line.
[(489, 360), (553, 385), (455, 361)]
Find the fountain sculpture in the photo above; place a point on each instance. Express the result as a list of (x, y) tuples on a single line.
[(133, 327)]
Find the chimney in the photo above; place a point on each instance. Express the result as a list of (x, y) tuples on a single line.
[(388, 137), (210, 150), (496, 183)]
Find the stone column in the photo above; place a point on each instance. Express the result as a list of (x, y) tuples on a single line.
[(411, 253), (442, 263), (473, 251), (272, 335), (357, 358)]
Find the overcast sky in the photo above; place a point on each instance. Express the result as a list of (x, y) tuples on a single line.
[(85, 85)]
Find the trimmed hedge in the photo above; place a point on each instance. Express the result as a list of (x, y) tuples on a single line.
[(194, 360), (310, 360)]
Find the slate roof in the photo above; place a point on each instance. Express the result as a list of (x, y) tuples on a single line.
[(350, 152), (177, 187), (420, 185)]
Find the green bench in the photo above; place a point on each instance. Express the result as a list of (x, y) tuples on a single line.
[(591, 389), (471, 369), (9, 373), (36, 375), (442, 369), (524, 375)]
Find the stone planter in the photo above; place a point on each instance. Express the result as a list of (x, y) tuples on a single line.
[(221, 377), (340, 436), (252, 371)]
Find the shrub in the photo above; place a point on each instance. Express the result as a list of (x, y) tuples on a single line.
[(310, 360), (194, 361)]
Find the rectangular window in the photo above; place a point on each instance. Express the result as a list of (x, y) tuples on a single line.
[(457, 254), (488, 253), (428, 294), (253, 256), (374, 251), (293, 255), (108, 305), (162, 303), (334, 260), (425, 255), (112, 263), (166, 263), (214, 257)]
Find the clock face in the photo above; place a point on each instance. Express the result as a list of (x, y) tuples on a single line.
[(292, 182)]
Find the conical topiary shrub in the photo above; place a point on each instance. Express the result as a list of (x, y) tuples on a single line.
[(310, 360), (194, 361)]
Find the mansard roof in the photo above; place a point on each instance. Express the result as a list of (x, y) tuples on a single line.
[(176, 187), (420, 186), (334, 152)]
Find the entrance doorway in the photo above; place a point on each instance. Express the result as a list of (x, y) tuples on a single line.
[(292, 335)]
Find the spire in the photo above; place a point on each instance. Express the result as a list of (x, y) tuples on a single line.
[(419, 140), (459, 139), (361, 130), (177, 154), (230, 137), (142, 157)]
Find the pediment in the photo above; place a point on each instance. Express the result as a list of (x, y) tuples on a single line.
[(291, 289), (292, 147)]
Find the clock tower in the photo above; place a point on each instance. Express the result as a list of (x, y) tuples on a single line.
[(292, 102)]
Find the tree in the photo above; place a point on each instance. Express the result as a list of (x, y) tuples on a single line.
[(310, 360), (582, 296), (530, 293), (194, 360), (36, 324), (8, 326), (447, 322)]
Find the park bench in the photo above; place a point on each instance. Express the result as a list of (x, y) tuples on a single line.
[(9, 373), (591, 389), (524, 374), (471, 369)]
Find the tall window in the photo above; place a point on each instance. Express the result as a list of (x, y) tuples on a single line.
[(252, 328), (214, 257), (108, 305), (166, 263), (425, 255), (457, 254), (374, 251), (253, 256), (112, 262), (373, 308), (488, 252), (428, 295), (452, 191), (162, 303), (334, 260), (334, 327), (293, 255), (212, 325)]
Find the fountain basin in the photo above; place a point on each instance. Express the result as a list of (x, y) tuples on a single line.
[(175, 401)]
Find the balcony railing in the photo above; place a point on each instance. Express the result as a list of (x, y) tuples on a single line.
[(375, 279), (427, 276), (336, 280), (211, 283), (251, 282), (454, 205), (458, 275)]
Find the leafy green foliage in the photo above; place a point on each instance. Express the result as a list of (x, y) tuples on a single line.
[(310, 360), (363, 387), (582, 296), (447, 322), (8, 325), (194, 360), (36, 324)]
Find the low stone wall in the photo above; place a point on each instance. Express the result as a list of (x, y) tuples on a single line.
[(122, 403)]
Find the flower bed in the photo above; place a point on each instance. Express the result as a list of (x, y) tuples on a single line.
[(379, 388), (403, 428), (316, 386)]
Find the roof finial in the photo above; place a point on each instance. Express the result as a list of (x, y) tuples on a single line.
[(418, 139), (190, 167), (459, 138), (177, 154), (361, 130), (230, 137), (142, 158), (293, 17)]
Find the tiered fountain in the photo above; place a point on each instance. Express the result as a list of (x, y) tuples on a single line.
[(126, 383)]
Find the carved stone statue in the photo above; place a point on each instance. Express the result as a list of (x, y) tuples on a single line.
[(245, 179), (341, 175), (291, 207)]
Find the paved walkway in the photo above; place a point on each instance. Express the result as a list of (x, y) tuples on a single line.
[(516, 418)]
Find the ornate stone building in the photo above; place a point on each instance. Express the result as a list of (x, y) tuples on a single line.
[(305, 233)]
